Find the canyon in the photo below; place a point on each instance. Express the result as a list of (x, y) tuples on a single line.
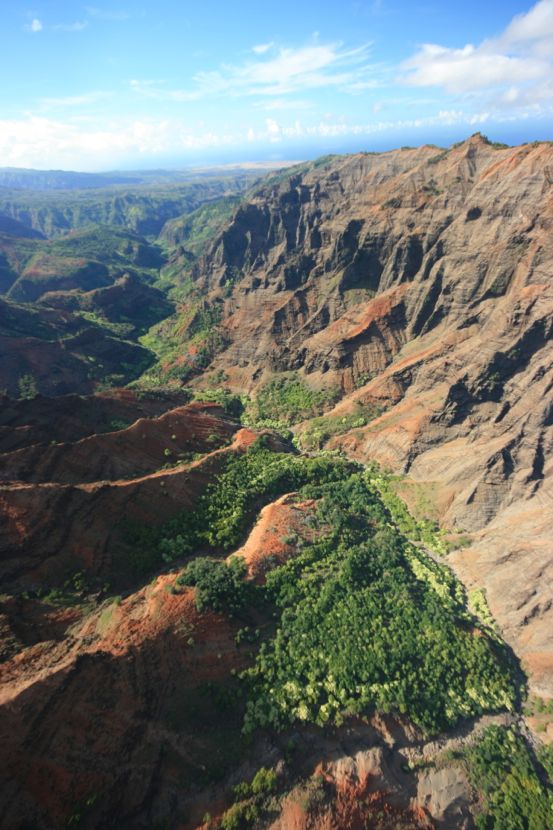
[(380, 320)]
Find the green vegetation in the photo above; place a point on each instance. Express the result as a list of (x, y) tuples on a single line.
[(320, 429), (110, 245), (367, 621), (194, 230), (263, 783), (418, 530), (431, 188), (248, 481), (249, 800), (232, 404), (503, 771), (541, 712), (86, 351), (438, 157), (284, 176), (27, 387), (497, 145), (364, 618), (289, 399), (142, 208), (538, 706), (184, 343), (478, 604), (545, 758), (240, 816), (220, 586), (86, 259), (222, 513), (75, 591)]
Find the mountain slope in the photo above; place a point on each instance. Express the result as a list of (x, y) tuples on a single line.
[(56, 352), (156, 668), (418, 282)]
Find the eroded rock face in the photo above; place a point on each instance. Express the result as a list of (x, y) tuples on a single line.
[(92, 715), (421, 282), (452, 233)]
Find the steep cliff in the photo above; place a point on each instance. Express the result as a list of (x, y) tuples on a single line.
[(417, 282)]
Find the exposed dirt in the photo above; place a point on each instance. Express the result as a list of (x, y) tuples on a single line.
[(274, 536)]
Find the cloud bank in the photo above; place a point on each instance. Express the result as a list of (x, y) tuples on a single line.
[(516, 67)]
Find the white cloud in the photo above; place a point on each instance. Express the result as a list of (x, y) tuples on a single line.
[(470, 68), (43, 142), (261, 48), (81, 144), (77, 26), (313, 66), (86, 99), (107, 14), (517, 65), (35, 25), (287, 104), (339, 128), (273, 130), (534, 25)]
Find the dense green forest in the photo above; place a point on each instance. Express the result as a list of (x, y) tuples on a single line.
[(365, 619)]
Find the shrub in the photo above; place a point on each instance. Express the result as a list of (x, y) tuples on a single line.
[(240, 816), (394, 202), (264, 781), (289, 399), (438, 157), (231, 403), (27, 386), (319, 430), (219, 586), (502, 770)]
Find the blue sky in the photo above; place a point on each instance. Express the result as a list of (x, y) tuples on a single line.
[(167, 83)]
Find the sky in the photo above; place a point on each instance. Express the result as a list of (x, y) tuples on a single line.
[(170, 83)]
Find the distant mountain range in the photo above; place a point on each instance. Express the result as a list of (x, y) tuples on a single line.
[(21, 178)]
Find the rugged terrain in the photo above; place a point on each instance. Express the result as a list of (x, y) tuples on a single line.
[(396, 307), (103, 280), (53, 202), (144, 674), (418, 282)]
